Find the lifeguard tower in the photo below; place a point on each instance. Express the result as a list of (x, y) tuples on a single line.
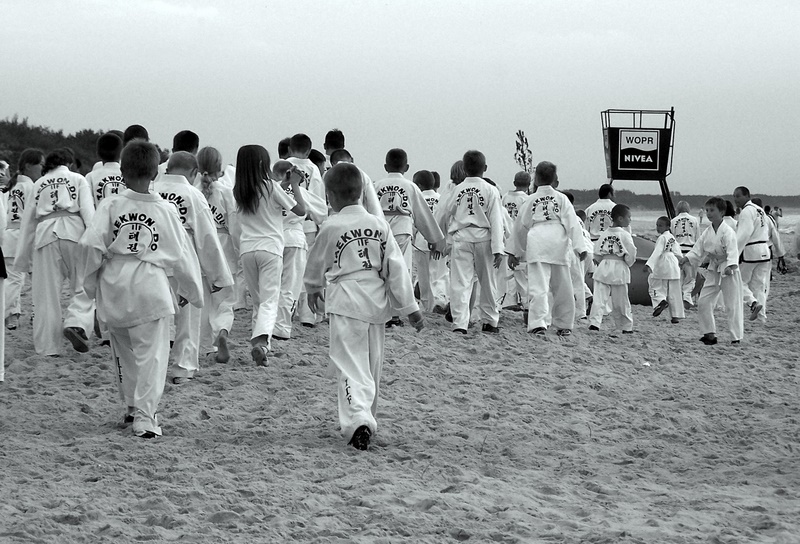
[(638, 147)]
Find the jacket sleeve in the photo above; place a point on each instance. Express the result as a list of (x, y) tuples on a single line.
[(27, 235), (314, 276), (630, 250), (370, 197), (745, 228), (209, 250), (496, 220), (92, 249), (423, 217), (186, 270), (316, 207), (397, 279), (658, 251), (85, 200)]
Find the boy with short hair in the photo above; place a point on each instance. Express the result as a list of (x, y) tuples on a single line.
[(473, 217), (426, 269), (665, 273), (106, 180), (195, 215), (357, 256), (614, 253), (126, 251), (598, 214), (717, 247)]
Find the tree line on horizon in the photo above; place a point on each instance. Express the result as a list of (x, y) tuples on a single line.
[(17, 135)]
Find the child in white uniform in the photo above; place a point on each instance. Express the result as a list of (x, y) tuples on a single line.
[(425, 269), (686, 229), (614, 253), (106, 180), (174, 187), (516, 279), (359, 259), (473, 217), (665, 273), (546, 235), (598, 214), (125, 253), (295, 249), (718, 247), (258, 227), (752, 239), (20, 189), (51, 226)]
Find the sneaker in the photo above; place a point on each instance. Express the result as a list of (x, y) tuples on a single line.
[(394, 322), (180, 380), (360, 440), (538, 331), (675, 320), (564, 332), (708, 340), (77, 336), (755, 307), (594, 328), (627, 332), (259, 354), (308, 325), (490, 328), (687, 305), (223, 355), (734, 342), (439, 309), (460, 331), (663, 305), (448, 315), (147, 434), (12, 322)]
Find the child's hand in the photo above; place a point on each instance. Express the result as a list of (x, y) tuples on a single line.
[(729, 270), (435, 255), (582, 255), (438, 246), (513, 262), (314, 302), (782, 268), (648, 270), (182, 301), (416, 320), (498, 260)]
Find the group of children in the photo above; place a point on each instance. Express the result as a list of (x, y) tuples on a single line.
[(165, 251)]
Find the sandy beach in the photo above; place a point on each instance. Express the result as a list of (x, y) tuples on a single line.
[(651, 437)]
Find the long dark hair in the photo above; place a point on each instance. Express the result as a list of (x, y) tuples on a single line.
[(252, 174), (62, 156), (29, 156)]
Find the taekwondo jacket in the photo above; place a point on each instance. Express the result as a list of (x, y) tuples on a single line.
[(617, 253), (686, 229), (105, 180), (718, 247), (664, 259), (752, 234), (405, 208)]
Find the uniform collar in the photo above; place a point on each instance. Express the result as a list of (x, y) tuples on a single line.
[(175, 178)]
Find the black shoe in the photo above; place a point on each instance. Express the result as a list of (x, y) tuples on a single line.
[(627, 332), (525, 317), (460, 331), (308, 325), (564, 332), (755, 307), (589, 302), (539, 331), (663, 305), (687, 305), (594, 328), (490, 328), (360, 440), (734, 342), (675, 320), (448, 315), (708, 340), (147, 434), (394, 322), (275, 337), (439, 309), (77, 336)]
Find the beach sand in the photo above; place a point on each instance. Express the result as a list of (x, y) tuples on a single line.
[(650, 437)]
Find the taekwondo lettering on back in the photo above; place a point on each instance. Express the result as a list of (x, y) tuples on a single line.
[(109, 185), (394, 199), (679, 227), (670, 243), (363, 238), (289, 191), (471, 193), (56, 186), (548, 204), (638, 149), (511, 208), (138, 230), (600, 219), (16, 204), (612, 245), (179, 203), (219, 217)]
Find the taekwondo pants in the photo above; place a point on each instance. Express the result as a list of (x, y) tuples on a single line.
[(142, 357), (2, 333), (14, 285), (543, 279), (516, 286), (576, 274), (215, 315), (304, 313), (731, 288), (466, 260), (186, 350), (262, 272), (294, 266), (404, 241), (52, 264), (669, 290), (755, 277), (356, 349), (428, 275), (688, 278), (620, 305), (235, 266)]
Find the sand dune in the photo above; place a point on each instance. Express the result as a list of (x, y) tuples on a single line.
[(652, 437)]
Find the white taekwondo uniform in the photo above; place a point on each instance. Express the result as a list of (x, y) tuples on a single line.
[(430, 274), (665, 279), (260, 237), (52, 224), (577, 271), (598, 217), (686, 229), (516, 281), (473, 216), (18, 196), (195, 215), (752, 239), (105, 180), (616, 252), (546, 232), (125, 253), (295, 253), (721, 250), (368, 282)]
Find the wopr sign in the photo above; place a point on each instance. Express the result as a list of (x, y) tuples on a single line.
[(638, 149)]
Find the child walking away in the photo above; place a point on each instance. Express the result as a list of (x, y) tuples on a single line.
[(426, 270), (665, 273), (686, 229), (126, 251), (358, 257), (258, 227), (516, 280), (51, 226), (20, 189), (717, 246), (614, 253), (106, 180), (192, 207), (546, 233)]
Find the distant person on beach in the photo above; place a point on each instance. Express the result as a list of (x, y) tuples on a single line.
[(598, 214), (664, 271), (752, 237), (53, 222), (701, 215), (545, 233), (718, 253), (406, 210), (686, 230), (367, 282), (128, 246), (516, 283), (614, 254)]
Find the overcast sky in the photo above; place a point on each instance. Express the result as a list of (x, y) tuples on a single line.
[(435, 78)]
